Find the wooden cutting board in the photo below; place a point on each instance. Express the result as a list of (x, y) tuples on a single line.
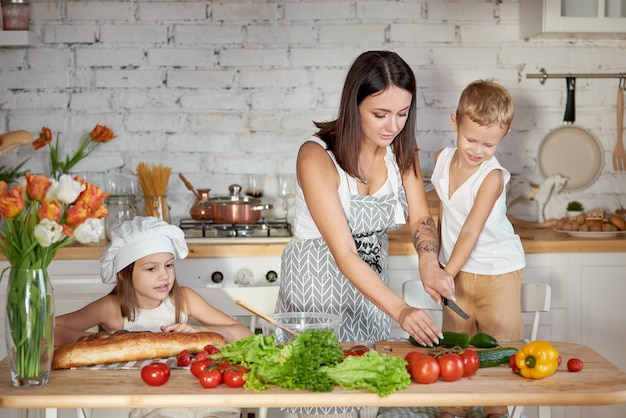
[(397, 348)]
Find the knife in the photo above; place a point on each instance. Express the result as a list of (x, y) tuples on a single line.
[(460, 312)]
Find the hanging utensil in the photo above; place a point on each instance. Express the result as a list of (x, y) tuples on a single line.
[(11, 140), (585, 156), (266, 317), (189, 185), (619, 155)]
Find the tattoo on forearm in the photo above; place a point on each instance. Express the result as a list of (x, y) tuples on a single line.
[(425, 237)]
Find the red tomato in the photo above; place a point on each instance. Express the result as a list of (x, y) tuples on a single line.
[(574, 365), (513, 365), (451, 366), (470, 362), (357, 350), (184, 359), (234, 376), (410, 358), (425, 370), (155, 373), (202, 355), (199, 366), (211, 349), (210, 378)]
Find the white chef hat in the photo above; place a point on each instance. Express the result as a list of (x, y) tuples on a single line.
[(138, 238)]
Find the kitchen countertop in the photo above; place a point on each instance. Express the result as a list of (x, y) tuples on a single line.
[(599, 383)]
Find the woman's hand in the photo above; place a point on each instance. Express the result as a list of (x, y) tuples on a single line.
[(420, 326), (184, 328), (437, 282)]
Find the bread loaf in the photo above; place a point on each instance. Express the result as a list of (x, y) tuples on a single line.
[(125, 346), (619, 222)]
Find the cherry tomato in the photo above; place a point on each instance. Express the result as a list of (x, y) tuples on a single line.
[(357, 350), (210, 378), (199, 366), (211, 349), (155, 373), (451, 366), (425, 370), (234, 376), (410, 358), (574, 365), (183, 359), (470, 362), (202, 355), (513, 365)]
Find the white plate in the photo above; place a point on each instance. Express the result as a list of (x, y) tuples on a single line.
[(591, 234), (572, 152)]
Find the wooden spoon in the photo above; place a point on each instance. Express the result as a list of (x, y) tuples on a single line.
[(189, 185), (266, 317)]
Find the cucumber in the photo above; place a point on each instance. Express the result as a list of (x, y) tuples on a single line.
[(495, 356), (483, 340), (450, 339)]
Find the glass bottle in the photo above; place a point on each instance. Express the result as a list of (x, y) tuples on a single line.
[(121, 208)]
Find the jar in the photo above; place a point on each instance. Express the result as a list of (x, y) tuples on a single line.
[(121, 208), (15, 14), (157, 206)]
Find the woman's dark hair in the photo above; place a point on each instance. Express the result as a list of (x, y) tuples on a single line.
[(127, 298), (371, 72)]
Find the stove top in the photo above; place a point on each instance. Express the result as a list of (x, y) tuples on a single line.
[(209, 230)]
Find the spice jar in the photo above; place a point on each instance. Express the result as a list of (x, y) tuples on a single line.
[(121, 208), (15, 14)]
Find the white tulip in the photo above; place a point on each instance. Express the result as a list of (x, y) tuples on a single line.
[(89, 231), (65, 190), (48, 232)]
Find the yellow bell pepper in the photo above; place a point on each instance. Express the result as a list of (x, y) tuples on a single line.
[(537, 359)]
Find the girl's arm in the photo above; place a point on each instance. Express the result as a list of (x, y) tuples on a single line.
[(319, 180), (210, 318), (437, 282), (104, 312), (487, 195)]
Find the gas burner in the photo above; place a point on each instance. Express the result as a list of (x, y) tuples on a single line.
[(261, 229)]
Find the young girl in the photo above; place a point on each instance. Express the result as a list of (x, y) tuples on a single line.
[(146, 297)]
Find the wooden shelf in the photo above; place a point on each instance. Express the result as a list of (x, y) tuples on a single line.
[(16, 37)]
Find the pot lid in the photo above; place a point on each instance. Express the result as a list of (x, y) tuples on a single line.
[(235, 197)]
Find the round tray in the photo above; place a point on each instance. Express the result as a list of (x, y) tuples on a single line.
[(591, 234)]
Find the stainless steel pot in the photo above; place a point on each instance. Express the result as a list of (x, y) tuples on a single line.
[(235, 208)]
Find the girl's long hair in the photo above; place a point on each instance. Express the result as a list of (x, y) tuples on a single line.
[(371, 72)]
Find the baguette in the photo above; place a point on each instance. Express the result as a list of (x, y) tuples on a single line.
[(125, 346)]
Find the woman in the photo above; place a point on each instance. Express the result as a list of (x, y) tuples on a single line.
[(357, 178)]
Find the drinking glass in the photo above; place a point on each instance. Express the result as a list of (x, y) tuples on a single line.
[(286, 190), (255, 186)]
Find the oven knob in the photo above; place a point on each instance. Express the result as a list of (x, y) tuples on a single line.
[(244, 277), (271, 276), (217, 277)]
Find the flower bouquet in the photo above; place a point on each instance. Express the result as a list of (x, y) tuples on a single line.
[(40, 216)]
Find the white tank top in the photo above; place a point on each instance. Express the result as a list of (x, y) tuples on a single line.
[(154, 319)]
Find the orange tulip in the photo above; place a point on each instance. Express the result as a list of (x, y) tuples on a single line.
[(4, 187), (37, 186), (12, 203), (50, 210), (102, 133), (77, 214), (45, 137)]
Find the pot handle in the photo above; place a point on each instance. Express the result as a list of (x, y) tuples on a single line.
[(570, 105), (263, 207)]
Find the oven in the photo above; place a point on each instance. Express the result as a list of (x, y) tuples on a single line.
[(221, 281)]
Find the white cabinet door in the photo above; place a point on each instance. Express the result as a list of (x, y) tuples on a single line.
[(571, 16)]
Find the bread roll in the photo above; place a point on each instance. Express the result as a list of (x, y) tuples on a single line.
[(619, 222), (124, 346)]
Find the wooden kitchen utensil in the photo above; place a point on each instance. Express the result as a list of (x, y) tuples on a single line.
[(266, 317), (11, 140), (189, 185), (619, 155)]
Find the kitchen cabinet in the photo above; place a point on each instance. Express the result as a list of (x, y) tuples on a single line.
[(571, 16), (16, 38)]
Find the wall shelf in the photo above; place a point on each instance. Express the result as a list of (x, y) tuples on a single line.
[(16, 37)]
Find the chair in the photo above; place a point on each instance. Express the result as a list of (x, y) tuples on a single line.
[(535, 298)]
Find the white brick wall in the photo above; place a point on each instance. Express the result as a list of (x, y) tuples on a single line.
[(216, 89)]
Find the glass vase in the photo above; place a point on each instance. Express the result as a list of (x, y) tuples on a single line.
[(29, 326)]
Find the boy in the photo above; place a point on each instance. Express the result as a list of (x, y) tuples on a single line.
[(478, 244)]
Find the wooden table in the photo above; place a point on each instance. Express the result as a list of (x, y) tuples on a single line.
[(600, 383)]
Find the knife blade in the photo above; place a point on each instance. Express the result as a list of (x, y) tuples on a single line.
[(460, 312)]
